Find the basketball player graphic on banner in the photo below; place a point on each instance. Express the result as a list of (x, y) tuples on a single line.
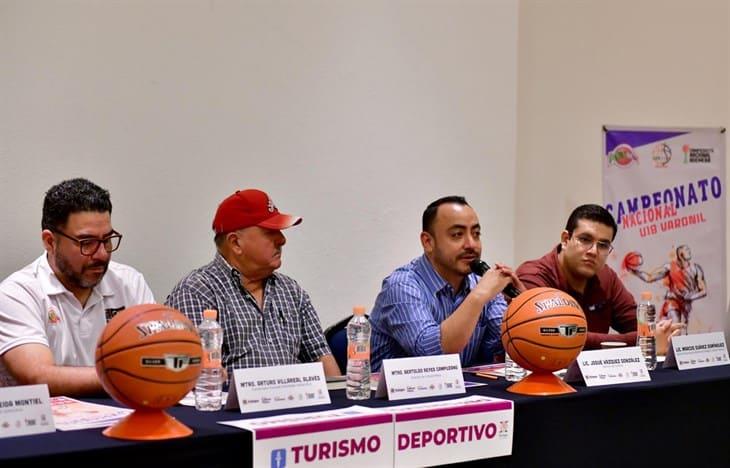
[(672, 219), (684, 281)]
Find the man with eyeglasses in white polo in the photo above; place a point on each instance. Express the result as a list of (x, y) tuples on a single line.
[(578, 266), (53, 310)]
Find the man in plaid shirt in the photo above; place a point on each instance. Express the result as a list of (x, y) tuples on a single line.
[(267, 318)]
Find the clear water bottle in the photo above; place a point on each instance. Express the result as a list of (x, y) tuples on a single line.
[(358, 355), (210, 383), (512, 371), (646, 327)]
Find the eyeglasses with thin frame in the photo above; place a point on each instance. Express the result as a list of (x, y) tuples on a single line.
[(587, 243), (89, 247)]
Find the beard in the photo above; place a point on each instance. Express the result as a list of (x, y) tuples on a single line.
[(455, 264), (77, 278)]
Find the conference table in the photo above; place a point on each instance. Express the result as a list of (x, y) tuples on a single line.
[(677, 419)]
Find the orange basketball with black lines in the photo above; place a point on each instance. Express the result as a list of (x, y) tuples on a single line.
[(148, 356), (544, 329)]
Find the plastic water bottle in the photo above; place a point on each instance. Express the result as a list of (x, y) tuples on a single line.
[(358, 355), (512, 371), (209, 384), (646, 327)]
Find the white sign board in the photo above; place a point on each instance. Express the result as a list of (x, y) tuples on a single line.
[(452, 431), (419, 377), (699, 350), (24, 410), (354, 436), (271, 388), (613, 366)]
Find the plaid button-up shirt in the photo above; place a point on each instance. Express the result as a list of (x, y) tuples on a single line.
[(286, 330)]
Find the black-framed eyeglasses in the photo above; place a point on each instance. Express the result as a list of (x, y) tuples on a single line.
[(587, 243), (89, 247)]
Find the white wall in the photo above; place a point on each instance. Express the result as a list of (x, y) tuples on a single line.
[(587, 63), (352, 114)]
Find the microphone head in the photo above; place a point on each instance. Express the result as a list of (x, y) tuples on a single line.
[(478, 266)]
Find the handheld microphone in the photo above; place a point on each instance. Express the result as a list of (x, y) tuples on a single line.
[(480, 267)]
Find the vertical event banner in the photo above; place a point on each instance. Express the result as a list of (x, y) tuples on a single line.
[(666, 190)]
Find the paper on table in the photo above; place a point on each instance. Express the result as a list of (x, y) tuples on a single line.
[(294, 419), (491, 368), (338, 382), (470, 384), (494, 369), (70, 414), (374, 379)]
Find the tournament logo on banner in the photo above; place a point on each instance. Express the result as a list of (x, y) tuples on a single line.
[(666, 190)]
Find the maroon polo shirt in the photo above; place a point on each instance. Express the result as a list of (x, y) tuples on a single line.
[(606, 302)]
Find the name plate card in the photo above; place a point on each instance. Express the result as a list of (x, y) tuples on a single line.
[(698, 350), (613, 366), (444, 432), (354, 436), (418, 377), (25, 410), (272, 388)]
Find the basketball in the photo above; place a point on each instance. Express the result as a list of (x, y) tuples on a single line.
[(544, 329), (148, 356), (632, 261)]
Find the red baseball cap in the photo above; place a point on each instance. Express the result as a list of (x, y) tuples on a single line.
[(250, 208)]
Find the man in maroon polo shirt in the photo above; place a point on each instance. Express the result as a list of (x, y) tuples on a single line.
[(578, 266)]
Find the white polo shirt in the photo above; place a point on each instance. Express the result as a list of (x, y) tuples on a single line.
[(36, 308)]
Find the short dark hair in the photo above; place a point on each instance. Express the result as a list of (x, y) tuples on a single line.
[(218, 239), (429, 214), (73, 196), (591, 212)]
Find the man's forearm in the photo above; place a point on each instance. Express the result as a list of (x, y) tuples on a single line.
[(69, 381), (456, 331)]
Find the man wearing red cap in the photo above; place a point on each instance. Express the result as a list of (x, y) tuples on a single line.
[(267, 318)]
